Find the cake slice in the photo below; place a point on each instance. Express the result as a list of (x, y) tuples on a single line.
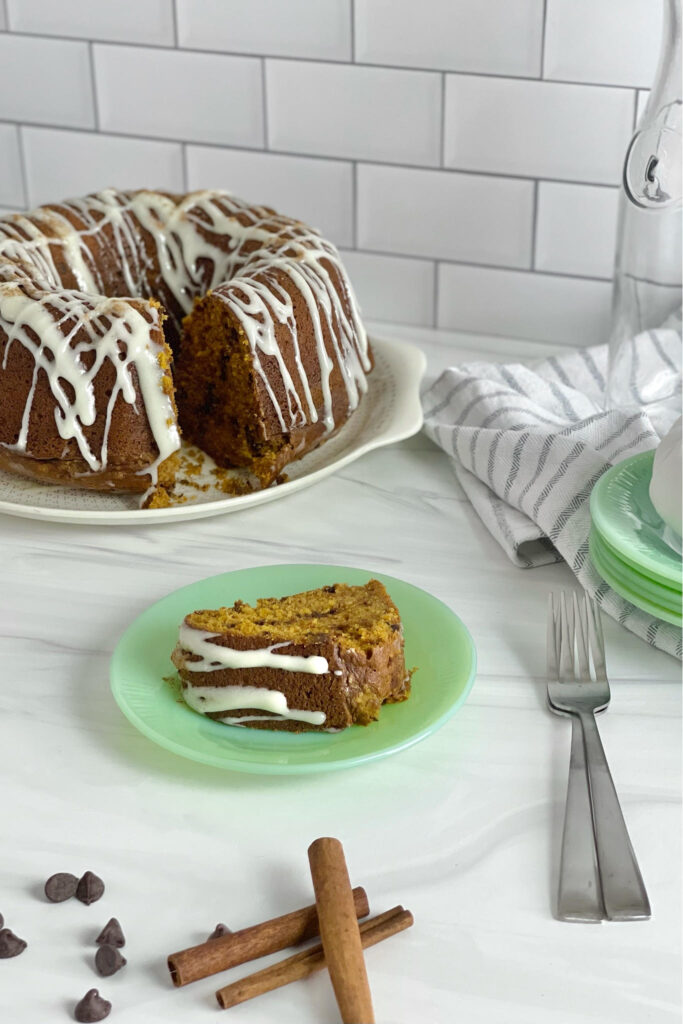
[(321, 660)]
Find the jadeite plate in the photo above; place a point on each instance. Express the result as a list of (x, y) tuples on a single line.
[(436, 642), (390, 411), (626, 519), (657, 593), (628, 586)]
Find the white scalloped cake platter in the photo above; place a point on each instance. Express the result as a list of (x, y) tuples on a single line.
[(389, 411)]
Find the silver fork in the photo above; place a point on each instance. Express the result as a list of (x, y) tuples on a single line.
[(574, 637), (579, 896)]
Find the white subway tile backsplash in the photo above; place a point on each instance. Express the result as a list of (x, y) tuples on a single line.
[(96, 162), (11, 182), (319, 192), (354, 112), (493, 36), (445, 215), (614, 42), (539, 129), (576, 229), (297, 28), (391, 287), (541, 307), (145, 21), (484, 135), (179, 95), (45, 80)]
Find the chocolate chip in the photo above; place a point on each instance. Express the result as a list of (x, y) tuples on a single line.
[(60, 887), (92, 1007), (330, 590), (10, 944), (111, 934), (219, 930), (89, 889), (108, 961)]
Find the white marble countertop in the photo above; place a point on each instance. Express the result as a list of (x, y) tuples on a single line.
[(463, 828)]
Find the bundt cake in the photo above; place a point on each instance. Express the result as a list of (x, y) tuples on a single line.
[(321, 660), (128, 317)]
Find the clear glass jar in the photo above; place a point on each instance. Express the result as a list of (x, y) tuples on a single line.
[(647, 276)]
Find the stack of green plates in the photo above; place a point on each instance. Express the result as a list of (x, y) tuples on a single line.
[(627, 545)]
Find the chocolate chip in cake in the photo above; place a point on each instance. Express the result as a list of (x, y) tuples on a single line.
[(219, 930), (10, 944), (92, 1007), (89, 889), (111, 935), (60, 887), (108, 961)]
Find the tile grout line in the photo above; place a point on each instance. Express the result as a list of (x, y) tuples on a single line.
[(442, 153), (354, 205), (389, 255), (93, 86), (449, 261), (544, 25), (435, 311), (186, 175), (264, 102), (117, 44), (22, 163), (174, 16), (364, 161), (534, 224), (352, 10)]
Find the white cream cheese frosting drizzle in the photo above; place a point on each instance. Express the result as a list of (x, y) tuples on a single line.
[(223, 699), (213, 657), (188, 235), (115, 331), (313, 718)]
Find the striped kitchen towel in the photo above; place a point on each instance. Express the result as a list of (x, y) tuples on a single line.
[(529, 443)]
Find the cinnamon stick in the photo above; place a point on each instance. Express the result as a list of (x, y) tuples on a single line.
[(219, 954), (308, 961), (339, 931)]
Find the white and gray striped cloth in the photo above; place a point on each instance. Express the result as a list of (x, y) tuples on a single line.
[(528, 445)]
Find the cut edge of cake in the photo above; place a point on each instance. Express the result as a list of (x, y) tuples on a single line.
[(320, 660)]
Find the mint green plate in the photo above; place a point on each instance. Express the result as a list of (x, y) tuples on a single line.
[(626, 519), (437, 643), (657, 593), (629, 584)]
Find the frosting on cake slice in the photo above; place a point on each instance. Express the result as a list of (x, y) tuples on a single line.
[(322, 660)]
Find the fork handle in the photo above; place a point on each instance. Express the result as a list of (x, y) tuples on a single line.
[(579, 895), (623, 889)]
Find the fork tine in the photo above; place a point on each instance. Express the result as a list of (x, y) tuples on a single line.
[(551, 639), (597, 640), (581, 620), (566, 640)]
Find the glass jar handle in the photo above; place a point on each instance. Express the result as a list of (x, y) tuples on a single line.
[(652, 168)]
